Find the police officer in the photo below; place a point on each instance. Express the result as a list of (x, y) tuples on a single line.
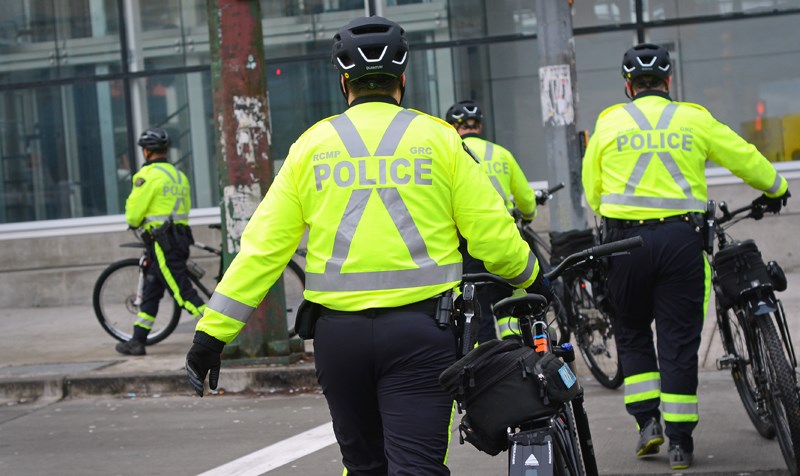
[(510, 182), (384, 192), (644, 173), (159, 205)]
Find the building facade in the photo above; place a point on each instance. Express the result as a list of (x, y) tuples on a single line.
[(80, 79)]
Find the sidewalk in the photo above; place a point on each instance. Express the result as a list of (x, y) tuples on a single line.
[(48, 354)]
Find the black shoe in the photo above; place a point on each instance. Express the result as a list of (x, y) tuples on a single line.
[(650, 438), (678, 458), (131, 347)]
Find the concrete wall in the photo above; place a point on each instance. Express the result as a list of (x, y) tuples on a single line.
[(58, 271)]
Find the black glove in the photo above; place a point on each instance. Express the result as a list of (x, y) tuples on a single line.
[(204, 358), (772, 204), (542, 287)]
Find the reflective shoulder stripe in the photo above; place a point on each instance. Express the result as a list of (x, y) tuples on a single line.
[(230, 307), (489, 151), (167, 172), (641, 120), (349, 136), (394, 133)]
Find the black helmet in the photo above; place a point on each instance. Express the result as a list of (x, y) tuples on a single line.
[(646, 59), (370, 45), (154, 138), (463, 110)]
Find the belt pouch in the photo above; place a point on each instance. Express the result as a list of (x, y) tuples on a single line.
[(306, 320)]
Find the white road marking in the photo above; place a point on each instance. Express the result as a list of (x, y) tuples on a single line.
[(277, 455)]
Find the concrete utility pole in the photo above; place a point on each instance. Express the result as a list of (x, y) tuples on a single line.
[(558, 89), (242, 133)]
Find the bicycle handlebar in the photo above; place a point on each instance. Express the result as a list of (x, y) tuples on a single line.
[(594, 253)]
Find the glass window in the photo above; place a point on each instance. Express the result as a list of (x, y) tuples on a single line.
[(58, 156), (602, 12), (655, 10), (47, 39)]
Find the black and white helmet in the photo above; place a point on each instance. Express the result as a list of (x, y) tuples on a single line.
[(370, 45), (646, 59), (154, 138), (463, 110)]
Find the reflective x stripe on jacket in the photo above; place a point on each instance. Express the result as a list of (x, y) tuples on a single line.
[(505, 174), (382, 225), (634, 170)]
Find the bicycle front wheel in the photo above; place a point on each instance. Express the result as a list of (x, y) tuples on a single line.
[(114, 303), (782, 392), (735, 342), (294, 283), (594, 333)]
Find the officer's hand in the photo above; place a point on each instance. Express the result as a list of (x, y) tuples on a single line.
[(204, 359), (772, 205), (542, 287)]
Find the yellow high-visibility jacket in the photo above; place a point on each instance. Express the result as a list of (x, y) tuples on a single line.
[(647, 159), (383, 191), (160, 191), (505, 174)]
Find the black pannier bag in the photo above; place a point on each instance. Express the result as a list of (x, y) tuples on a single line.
[(566, 243), (738, 268), (500, 386)]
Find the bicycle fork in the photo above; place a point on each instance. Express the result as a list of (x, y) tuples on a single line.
[(143, 263)]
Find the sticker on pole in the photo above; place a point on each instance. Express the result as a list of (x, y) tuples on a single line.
[(555, 84)]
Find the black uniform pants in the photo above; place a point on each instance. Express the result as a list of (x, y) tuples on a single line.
[(168, 271), (664, 280), (380, 376)]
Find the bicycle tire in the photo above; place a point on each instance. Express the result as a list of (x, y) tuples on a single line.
[(294, 283), (735, 343), (593, 331), (568, 459), (113, 296), (782, 392)]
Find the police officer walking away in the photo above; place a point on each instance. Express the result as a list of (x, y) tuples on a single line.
[(384, 192), (159, 205), (510, 182), (644, 173)]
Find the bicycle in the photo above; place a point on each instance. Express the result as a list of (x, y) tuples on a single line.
[(118, 292), (582, 308), (559, 443), (761, 361)]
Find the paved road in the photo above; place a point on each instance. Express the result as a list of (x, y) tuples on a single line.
[(179, 435)]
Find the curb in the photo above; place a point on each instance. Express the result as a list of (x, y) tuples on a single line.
[(237, 380)]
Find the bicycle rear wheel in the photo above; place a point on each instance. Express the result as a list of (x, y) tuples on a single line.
[(593, 332), (113, 300), (782, 392), (294, 283), (735, 342)]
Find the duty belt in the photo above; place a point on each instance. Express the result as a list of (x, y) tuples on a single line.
[(616, 223), (428, 306)]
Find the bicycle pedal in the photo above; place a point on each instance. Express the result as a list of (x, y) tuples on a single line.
[(725, 362)]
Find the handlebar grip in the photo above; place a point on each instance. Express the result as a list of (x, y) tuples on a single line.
[(615, 246), (556, 188)]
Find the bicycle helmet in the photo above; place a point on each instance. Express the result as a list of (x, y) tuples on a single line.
[(370, 45), (154, 138), (646, 59), (463, 110)]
